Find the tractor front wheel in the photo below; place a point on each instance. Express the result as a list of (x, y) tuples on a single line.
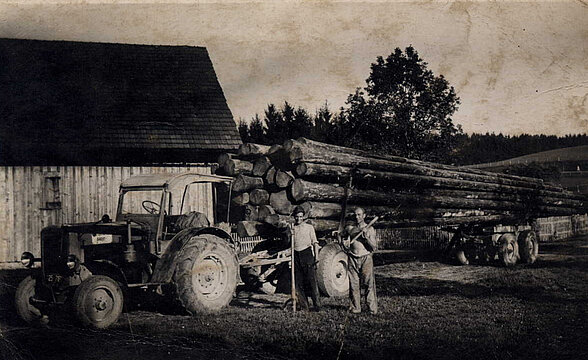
[(98, 302), (25, 310)]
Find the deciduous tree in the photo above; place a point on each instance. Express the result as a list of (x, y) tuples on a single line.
[(404, 109)]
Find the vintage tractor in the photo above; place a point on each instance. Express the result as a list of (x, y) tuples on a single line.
[(157, 242)]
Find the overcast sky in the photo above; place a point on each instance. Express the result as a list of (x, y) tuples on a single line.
[(518, 67)]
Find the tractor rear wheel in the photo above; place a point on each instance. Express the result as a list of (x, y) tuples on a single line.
[(206, 274), (508, 250), (528, 246), (332, 276), (98, 302), (25, 310)]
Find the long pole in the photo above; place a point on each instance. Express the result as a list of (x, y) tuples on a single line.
[(293, 289)]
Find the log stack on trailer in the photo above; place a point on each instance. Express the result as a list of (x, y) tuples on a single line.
[(401, 192)]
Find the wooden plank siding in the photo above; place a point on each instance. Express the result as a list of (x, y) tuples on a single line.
[(85, 192)]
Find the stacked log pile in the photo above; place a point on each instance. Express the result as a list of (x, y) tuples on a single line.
[(270, 181)]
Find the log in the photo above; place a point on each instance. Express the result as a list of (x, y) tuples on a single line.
[(323, 172), (261, 166), (302, 190), (492, 195), (280, 203), (265, 210), (253, 228), (234, 167), (249, 150), (283, 179), (241, 199), (280, 159), (270, 177), (338, 174), (246, 183), (296, 149), (250, 213), (325, 210), (274, 148), (223, 158), (278, 221), (324, 225), (259, 197), (300, 144), (304, 153)]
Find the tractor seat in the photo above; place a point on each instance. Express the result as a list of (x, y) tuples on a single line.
[(194, 219)]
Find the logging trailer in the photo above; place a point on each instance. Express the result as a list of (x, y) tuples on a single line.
[(155, 247)]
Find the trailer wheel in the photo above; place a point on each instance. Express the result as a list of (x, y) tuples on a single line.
[(25, 310), (98, 302), (332, 276), (489, 253), (528, 246), (206, 274), (251, 278), (508, 251), (465, 255)]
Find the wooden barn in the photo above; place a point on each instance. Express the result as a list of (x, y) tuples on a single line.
[(76, 118)]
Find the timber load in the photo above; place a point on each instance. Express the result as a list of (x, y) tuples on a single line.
[(402, 192)]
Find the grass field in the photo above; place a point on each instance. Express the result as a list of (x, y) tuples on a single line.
[(428, 310)]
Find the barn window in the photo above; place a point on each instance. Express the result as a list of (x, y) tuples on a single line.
[(51, 193)]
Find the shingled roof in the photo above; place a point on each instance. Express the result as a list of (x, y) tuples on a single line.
[(70, 103)]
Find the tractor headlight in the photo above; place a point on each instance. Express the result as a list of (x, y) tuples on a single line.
[(27, 259), (72, 262)]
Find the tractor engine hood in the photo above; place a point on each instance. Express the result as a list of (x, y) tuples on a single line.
[(115, 228)]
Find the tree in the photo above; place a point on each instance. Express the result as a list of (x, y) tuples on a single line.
[(243, 130), (257, 130), (404, 109), (276, 131), (323, 124), (301, 124)]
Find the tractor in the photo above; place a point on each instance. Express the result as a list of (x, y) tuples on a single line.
[(162, 240)]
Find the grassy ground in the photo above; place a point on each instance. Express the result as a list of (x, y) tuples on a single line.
[(428, 310)]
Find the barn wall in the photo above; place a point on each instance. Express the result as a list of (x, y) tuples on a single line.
[(30, 196)]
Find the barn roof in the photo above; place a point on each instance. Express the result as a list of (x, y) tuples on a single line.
[(64, 102), (171, 180)]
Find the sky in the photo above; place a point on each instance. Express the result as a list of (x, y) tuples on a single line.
[(517, 67)]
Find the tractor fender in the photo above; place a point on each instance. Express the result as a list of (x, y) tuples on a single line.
[(166, 265), (107, 268)]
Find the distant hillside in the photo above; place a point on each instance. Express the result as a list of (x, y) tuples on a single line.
[(569, 158), (486, 148), (571, 166)]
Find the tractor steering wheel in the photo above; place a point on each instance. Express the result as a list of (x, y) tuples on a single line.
[(150, 206)]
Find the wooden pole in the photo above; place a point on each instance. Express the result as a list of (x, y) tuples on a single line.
[(293, 288)]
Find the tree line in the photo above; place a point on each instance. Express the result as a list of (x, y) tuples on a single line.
[(403, 110)]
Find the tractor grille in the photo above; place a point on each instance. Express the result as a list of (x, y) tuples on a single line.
[(53, 252)]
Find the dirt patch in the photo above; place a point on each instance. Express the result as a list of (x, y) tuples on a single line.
[(428, 309)]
